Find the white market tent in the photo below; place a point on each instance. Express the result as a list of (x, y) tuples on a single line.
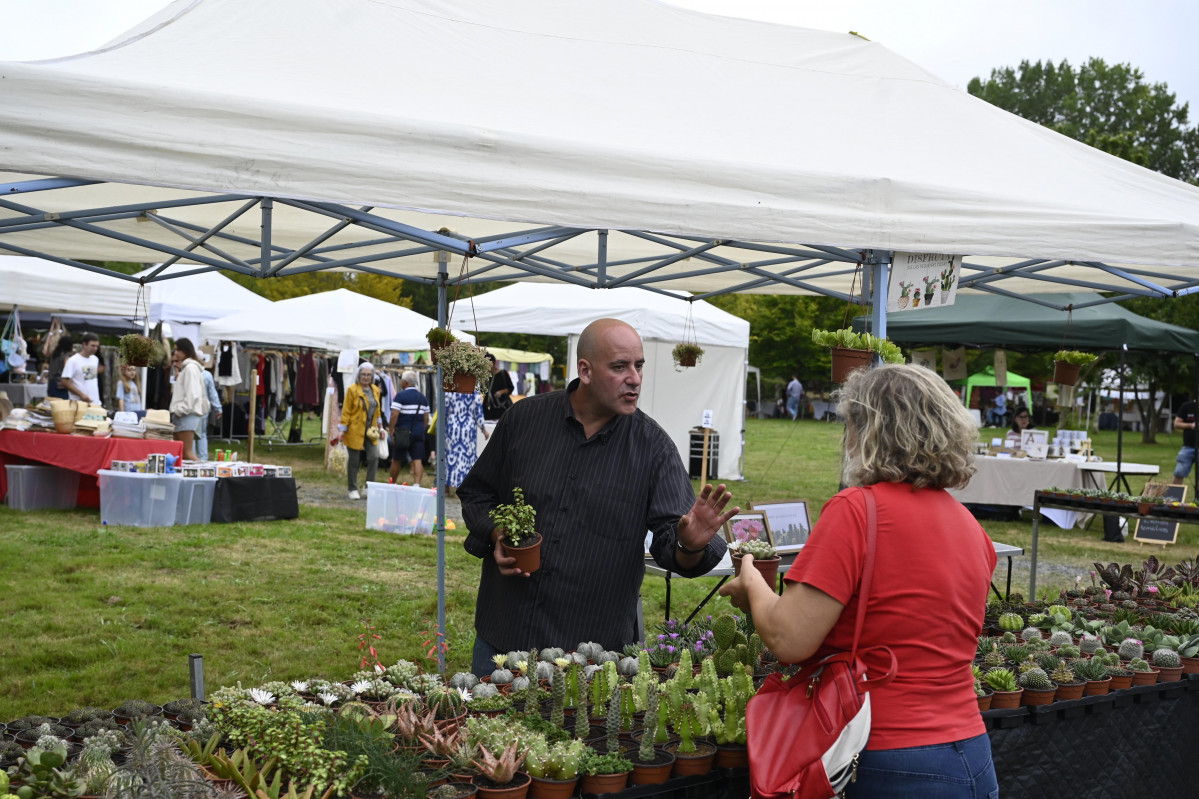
[(36, 285), (332, 320), (198, 297), (599, 142), (676, 399)]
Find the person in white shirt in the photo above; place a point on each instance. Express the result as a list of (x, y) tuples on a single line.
[(81, 374), (189, 400)]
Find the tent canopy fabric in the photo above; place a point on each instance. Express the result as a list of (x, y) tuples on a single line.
[(618, 149), (563, 310), (1015, 323), (331, 320), (987, 378), (35, 284), (199, 297)]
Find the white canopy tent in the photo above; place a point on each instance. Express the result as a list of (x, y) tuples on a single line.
[(331, 320), (676, 399), (37, 285)]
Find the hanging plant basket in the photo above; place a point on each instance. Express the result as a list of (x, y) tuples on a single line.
[(847, 361), (462, 383), (1065, 374), (136, 349)]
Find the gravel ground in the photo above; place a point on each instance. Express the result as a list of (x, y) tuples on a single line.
[(329, 493)]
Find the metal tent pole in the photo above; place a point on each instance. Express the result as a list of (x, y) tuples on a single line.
[(439, 471)]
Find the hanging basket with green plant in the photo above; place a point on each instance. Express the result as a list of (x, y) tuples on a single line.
[(464, 367), (687, 354), (1068, 363), (136, 349), (852, 351)]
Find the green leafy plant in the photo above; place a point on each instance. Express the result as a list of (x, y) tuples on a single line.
[(1000, 680), (439, 337), (686, 351), (464, 358), (502, 769), (1074, 357), (137, 350), (515, 519), (761, 550), (609, 763)]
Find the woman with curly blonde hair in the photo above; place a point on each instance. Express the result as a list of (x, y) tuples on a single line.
[(907, 439)]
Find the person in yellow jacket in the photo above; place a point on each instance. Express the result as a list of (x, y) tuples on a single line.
[(361, 425)]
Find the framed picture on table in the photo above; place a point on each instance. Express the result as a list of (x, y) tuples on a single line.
[(748, 526), (788, 521)]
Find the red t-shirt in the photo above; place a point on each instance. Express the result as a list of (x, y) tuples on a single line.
[(932, 568)]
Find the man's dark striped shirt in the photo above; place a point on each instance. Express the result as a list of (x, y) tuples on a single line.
[(595, 499)]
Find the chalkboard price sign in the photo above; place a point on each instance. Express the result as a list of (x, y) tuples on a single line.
[(1161, 531)]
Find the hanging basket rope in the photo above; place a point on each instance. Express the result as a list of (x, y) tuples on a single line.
[(687, 353)]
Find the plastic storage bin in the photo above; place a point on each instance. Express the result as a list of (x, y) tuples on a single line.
[(41, 487), (139, 500), (195, 500), (399, 509)]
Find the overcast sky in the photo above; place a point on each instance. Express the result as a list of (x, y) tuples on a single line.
[(955, 39)]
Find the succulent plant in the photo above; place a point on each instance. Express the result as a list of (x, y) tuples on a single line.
[(1164, 658), (1068, 651), (1089, 644), (1139, 664), (1011, 622), (1030, 633), (1090, 670), (1131, 648), (1060, 638), (1035, 679), (1063, 674), (501, 677), (464, 679), (994, 658), (1000, 679)]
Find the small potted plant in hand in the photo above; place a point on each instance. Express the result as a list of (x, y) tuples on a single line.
[(687, 354), (766, 559), (1067, 363), (520, 539)]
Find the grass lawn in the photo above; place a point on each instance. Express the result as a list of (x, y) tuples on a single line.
[(97, 615)]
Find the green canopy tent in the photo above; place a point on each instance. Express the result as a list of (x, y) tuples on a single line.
[(987, 378), (1036, 322)]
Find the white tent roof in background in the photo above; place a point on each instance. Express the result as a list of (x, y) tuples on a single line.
[(36, 284), (557, 309), (199, 297), (597, 114), (331, 320)]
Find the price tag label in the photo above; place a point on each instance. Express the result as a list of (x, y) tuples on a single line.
[(707, 422)]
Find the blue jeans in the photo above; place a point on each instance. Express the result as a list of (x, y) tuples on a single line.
[(959, 770), (481, 663), (1186, 459), (793, 406)]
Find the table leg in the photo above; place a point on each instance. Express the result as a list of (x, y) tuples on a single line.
[(711, 594), (667, 596), (1009, 579), (1032, 572), (998, 595)]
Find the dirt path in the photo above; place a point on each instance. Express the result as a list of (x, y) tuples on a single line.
[(330, 493)]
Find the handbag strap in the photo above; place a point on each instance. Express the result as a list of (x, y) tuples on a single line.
[(867, 566)]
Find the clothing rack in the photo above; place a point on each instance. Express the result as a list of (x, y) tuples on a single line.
[(276, 431)]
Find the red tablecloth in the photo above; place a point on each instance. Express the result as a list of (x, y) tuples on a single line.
[(82, 454)]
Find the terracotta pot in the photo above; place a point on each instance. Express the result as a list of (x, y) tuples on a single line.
[(1121, 681), (732, 756), (1068, 691), (1143, 508), (984, 702), (517, 789), (687, 359), (847, 361), (1144, 677), (461, 383), (603, 783), (1034, 697), (1065, 374), (687, 764), (769, 568), (1005, 700), (466, 789), (654, 773), (552, 789), (528, 557), (1097, 687), (1190, 665), (1169, 673)]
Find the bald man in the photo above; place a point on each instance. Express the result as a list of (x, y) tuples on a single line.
[(599, 473)]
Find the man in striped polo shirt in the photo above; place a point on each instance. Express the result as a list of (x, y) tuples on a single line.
[(599, 473)]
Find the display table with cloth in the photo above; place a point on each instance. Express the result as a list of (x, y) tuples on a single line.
[(84, 454), (21, 394), (1014, 481), (255, 499)]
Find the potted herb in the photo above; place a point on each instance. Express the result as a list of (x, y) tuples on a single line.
[(464, 367), (520, 539), (687, 354), (136, 349), (852, 351), (1067, 363)]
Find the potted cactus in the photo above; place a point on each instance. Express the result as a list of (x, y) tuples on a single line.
[(553, 767), (520, 539), (498, 774), (766, 559), (1068, 363), (1038, 688), (1168, 664), (1006, 693)]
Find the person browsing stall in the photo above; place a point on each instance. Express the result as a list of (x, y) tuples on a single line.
[(907, 439), (189, 400), (1185, 421), (81, 372), (410, 415), (361, 425), (599, 473)]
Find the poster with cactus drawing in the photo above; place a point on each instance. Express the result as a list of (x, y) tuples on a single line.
[(789, 523), (922, 280)]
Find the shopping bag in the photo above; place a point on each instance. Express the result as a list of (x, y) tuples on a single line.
[(383, 452)]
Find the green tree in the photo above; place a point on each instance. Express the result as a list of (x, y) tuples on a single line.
[(1110, 107), (1171, 372)]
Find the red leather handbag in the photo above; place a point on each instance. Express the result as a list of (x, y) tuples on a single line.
[(805, 732)]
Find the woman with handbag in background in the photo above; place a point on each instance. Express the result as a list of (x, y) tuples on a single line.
[(907, 439), (361, 425)]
